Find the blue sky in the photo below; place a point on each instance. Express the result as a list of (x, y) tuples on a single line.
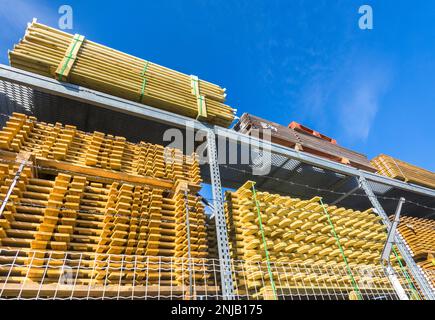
[(372, 90)]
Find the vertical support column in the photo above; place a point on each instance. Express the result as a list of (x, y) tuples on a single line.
[(421, 281), (189, 254), (221, 227), (392, 232)]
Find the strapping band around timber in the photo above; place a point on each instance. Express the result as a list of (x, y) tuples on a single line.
[(349, 271), (77, 38), (200, 99), (404, 177), (144, 80), (260, 223)]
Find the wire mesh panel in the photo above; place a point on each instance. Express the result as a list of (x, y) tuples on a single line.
[(288, 281), (29, 274)]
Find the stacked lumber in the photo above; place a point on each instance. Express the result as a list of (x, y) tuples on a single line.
[(418, 235), (303, 139), (304, 129), (125, 231), (53, 53), (297, 233), (212, 238), (64, 143), (401, 170)]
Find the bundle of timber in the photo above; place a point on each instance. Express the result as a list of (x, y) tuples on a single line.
[(401, 170), (72, 58), (64, 145), (303, 129), (419, 236), (297, 235), (122, 232), (303, 139)]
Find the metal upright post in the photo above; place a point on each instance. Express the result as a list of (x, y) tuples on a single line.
[(12, 186), (416, 274), (219, 214)]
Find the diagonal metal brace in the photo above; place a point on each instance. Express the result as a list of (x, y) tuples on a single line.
[(12, 186), (422, 282), (388, 247)]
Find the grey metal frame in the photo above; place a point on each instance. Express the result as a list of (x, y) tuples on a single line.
[(12, 186), (219, 215), (406, 255), (92, 97)]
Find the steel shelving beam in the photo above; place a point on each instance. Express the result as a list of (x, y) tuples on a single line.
[(219, 215), (398, 184), (96, 98), (324, 163), (416, 274)]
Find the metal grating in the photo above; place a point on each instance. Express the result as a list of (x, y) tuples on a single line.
[(36, 275)]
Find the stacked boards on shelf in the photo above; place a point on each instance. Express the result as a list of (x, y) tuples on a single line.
[(100, 198), (300, 138), (72, 58), (98, 153), (305, 241), (419, 236), (401, 170)]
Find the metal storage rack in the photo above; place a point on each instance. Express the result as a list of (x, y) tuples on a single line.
[(292, 172)]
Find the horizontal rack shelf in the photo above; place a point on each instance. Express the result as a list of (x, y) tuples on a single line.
[(50, 100)]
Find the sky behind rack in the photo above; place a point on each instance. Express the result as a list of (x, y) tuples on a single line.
[(306, 61)]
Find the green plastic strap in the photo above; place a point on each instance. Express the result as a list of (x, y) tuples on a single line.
[(69, 57), (408, 278), (192, 78), (269, 270), (349, 271), (201, 101), (144, 80)]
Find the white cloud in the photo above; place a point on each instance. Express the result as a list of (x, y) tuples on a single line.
[(14, 15), (360, 101), (347, 96)]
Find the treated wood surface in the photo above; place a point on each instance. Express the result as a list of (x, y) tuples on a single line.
[(302, 141), (63, 147), (419, 236), (297, 232), (48, 51), (401, 170), (101, 195)]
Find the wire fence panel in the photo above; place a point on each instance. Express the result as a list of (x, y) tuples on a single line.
[(43, 275)]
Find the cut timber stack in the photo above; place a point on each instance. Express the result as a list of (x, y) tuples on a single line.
[(401, 170), (298, 234), (117, 208), (302, 139), (419, 236), (66, 146), (72, 58)]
